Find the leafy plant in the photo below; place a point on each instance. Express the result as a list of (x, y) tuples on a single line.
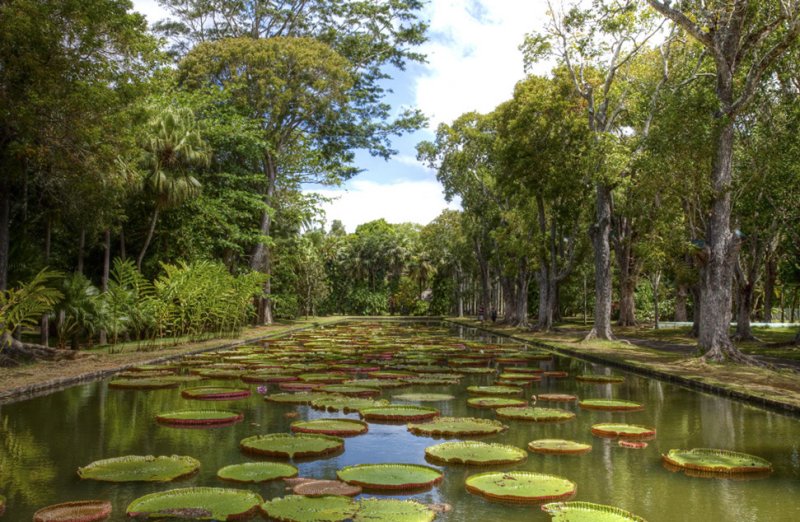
[(22, 307)]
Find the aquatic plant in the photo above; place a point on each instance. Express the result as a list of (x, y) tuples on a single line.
[(336, 427), (457, 427), (558, 446), (390, 476), (588, 512), (197, 504), (716, 461), (520, 486), (257, 471), (135, 468), (291, 446), (474, 453), (82, 511)]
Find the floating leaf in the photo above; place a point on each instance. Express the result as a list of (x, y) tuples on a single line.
[(555, 397), (197, 504), (392, 510), (588, 512), (199, 417), (610, 405), (350, 390), (628, 431), (558, 446), (337, 427), (154, 383), (423, 397), (600, 379), (494, 390), (318, 488), (494, 402), (134, 468), (292, 446), (346, 404), (457, 426), (81, 511), (297, 508), (529, 413), (474, 453), (397, 477), (716, 461), (295, 398), (257, 471), (398, 413), (215, 393), (520, 486)]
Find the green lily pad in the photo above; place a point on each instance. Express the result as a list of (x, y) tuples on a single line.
[(600, 379), (220, 373), (199, 417), (522, 377), (558, 446), (321, 488), (390, 375), (627, 431), (215, 393), (378, 383), (716, 461), (350, 390), (134, 468), (197, 504), (398, 413), (494, 390), (346, 404), (83, 511), (474, 453), (299, 508), (392, 510), (555, 397), (396, 477), (324, 378), (264, 376), (154, 383), (479, 371), (337, 427), (423, 397), (520, 486), (457, 426), (588, 512), (295, 398), (291, 446), (610, 405), (494, 402), (257, 471), (530, 413)]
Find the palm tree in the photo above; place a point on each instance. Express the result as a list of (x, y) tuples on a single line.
[(174, 146)]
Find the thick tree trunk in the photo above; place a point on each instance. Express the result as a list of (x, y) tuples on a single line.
[(147, 239), (509, 299), (5, 230), (744, 310), (695, 331), (81, 249), (600, 233), (545, 321), (681, 296), (627, 302), (104, 278), (628, 272), (262, 253), (655, 281), (769, 287), (522, 283), (483, 267)]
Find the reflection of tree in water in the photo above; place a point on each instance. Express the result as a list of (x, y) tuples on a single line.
[(716, 418), (26, 469)]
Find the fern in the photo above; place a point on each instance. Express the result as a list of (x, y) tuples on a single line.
[(22, 307)]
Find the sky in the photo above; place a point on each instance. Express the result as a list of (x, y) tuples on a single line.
[(473, 62)]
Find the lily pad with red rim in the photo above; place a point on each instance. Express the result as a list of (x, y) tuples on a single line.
[(716, 461), (474, 453), (350, 390), (588, 512), (80, 511), (494, 402), (199, 417), (555, 397), (215, 393), (559, 446), (494, 390), (610, 405), (257, 471), (394, 413), (286, 445), (153, 383), (625, 431), (319, 488), (346, 404), (457, 427), (135, 468), (520, 486), (534, 414), (390, 476), (423, 397), (197, 503), (336, 427), (295, 398)]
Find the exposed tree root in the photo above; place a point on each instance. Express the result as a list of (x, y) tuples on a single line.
[(728, 352), (14, 351), (593, 334), (746, 337)]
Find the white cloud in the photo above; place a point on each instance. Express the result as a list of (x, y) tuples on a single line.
[(398, 202), (473, 55), (150, 9)]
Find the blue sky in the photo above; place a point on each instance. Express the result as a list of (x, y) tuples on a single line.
[(473, 64)]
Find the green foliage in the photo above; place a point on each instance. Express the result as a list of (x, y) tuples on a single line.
[(22, 307)]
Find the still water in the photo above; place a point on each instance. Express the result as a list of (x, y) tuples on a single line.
[(44, 440)]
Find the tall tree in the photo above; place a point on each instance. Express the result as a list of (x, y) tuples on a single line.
[(745, 39)]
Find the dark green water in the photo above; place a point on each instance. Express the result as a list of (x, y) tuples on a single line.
[(44, 440)]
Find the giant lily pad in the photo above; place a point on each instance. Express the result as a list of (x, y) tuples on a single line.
[(199, 417), (153, 383), (423, 397), (530, 413), (351, 390), (378, 383), (215, 393), (398, 413), (292, 446), (346, 404), (298, 508), (520, 486), (295, 398), (319, 488), (257, 471), (392, 510), (626, 431), (396, 477), (197, 504), (457, 426), (494, 402), (588, 512), (600, 379), (555, 397), (474, 453), (610, 405), (716, 461), (558, 446), (134, 468), (81, 511), (494, 390), (337, 427)]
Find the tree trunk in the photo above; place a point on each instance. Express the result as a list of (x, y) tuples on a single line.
[(81, 248), (509, 299), (627, 302), (680, 303), (655, 281), (44, 324), (600, 233), (262, 253), (523, 280), (695, 290), (769, 287), (483, 267), (744, 309), (545, 321), (716, 274), (147, 239), (5, 230), (627, 272), (460, 292), (797, 338), (122, 243), (104, 278)]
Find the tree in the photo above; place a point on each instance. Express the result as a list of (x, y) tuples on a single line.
[(173, 147), (745, 40)]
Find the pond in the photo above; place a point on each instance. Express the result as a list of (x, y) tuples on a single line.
[(43, 441)]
